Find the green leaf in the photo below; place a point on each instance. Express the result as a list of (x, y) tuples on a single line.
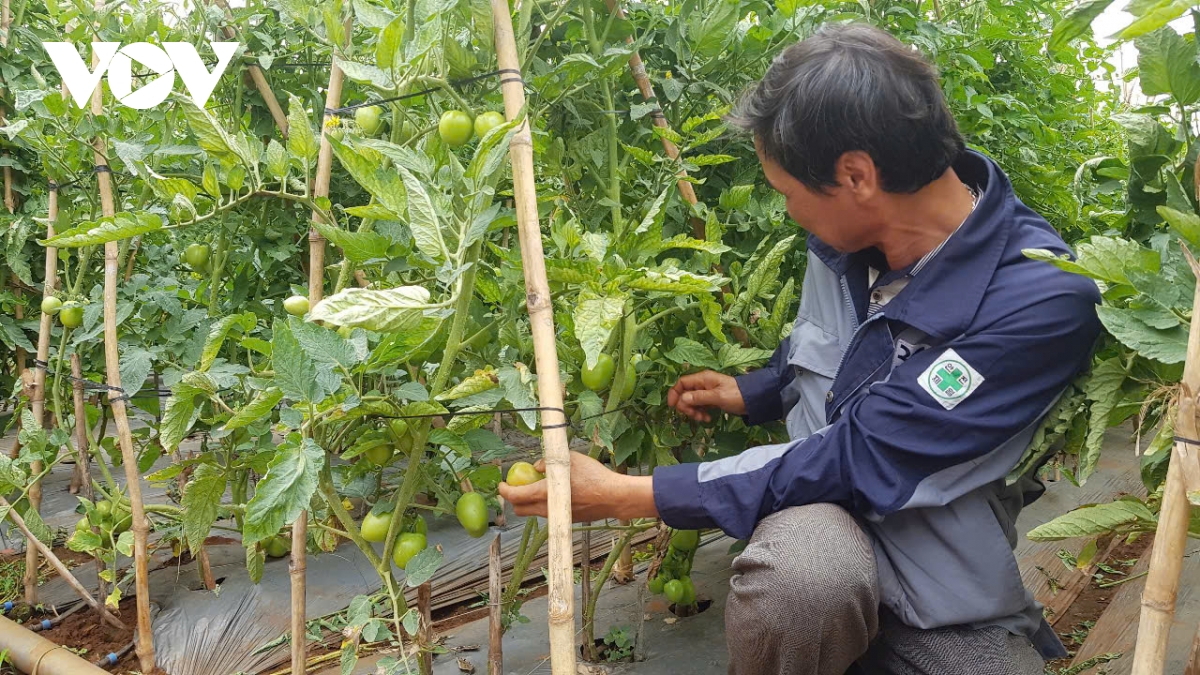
[(210, 135), (422, 218), (357, 246), (277, 160), (34, 523), (1167, 346), (384, 186), (284, 493), (710, 311), (390, 39), (493, 147), (422, 567), (363, 73), (301, 142), (480, 381), (295, 372), (261, 406), (518, 386), (179, 416), (686, 241), (220, 332), (710, 160), (1107, 259), (1186, 224), (255, 560), (735, 356), (1096, 519), (687, 351), (392, 309), (326, 346), (1159, 14), (1103, 392), (676, 282), (764, 274), (200, 503), (1167, 65), (136, 364), (595, 317), (1076, 22), (110, 228), (654, 215)]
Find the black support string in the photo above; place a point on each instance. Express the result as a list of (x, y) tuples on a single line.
[(452, 83), (87, 384)]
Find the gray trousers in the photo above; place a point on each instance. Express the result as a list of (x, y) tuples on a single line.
[(804, 600)]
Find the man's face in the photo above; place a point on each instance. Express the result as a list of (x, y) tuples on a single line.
[(836, 216)]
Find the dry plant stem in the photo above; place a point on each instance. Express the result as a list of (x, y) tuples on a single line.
[(112, 367), (561, 601), (83, 449), (316, 292), (585, 573), (38, 402), (1170, 539), (59, 567), (495, 611)]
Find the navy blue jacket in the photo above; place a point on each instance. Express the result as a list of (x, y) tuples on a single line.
[(912, 418)]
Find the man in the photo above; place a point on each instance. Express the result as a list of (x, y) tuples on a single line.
[(926, 351)]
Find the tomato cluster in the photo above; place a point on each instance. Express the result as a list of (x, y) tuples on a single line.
[(674, 576)]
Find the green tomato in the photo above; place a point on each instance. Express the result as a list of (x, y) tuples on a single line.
[(685, 540), (600, 376), (104, 507), (674, 590), (51, 305), (408, 545), (196, 256), (71, 317), (656, 585), (472, 513), (375, 527), (379, 454), (122, 519), (523, 473), (83, 525), (689, 592), (486, 122), (277, 546), (297, 305), (455, 128), (367, 119)]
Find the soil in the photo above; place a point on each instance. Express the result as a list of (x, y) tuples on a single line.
[(84, 634), (1074, 625)]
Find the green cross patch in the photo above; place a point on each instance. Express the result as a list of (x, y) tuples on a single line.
[(950, 379)]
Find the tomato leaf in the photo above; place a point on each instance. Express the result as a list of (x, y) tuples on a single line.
[(422, 567), (357, 246), (285, 491), (200, 502), (423, 218), (1076, 22), (595, 317), (1103, 391), (295, 372), (109, 228), (385, 186), (1167, 346), (387, 310), (255, 560), (219, 332), (1095, 519), (259, 407), (687, 351), (301, 142)]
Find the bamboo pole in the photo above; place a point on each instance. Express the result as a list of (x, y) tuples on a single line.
[(5, 22), (116, 399), (260, 80), (316, 292), (38, 400), (59, 567), (495, 610), (1193, 663), (82, 464), (1170, 539), (541, 321)]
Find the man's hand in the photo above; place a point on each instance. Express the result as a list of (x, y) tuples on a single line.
[(694, 394), (597, 493)]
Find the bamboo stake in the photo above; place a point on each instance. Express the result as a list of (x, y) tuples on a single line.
[(260, 80), (5, 22), (38, 402), (82, 463), (585, 596), (1170, 539), (59, 568), (316, 291), (112, 367), (425, 629), (1193, 662), (495, 609), (541, 321)]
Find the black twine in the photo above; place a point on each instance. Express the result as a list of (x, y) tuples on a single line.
[(453, 83), (86, 383), (1186, 441)]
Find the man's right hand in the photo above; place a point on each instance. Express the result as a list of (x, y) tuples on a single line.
[(693, 395)]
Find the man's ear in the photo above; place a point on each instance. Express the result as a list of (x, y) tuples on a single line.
[(856, 171)]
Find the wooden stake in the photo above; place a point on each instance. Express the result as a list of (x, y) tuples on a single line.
[(495, 611), (59, 568), (425, 630), (1170, 539), (38, 402), (1193, 663), (316, 292), (541, 321), (5, 22), (260, 80), (83, 461), (112, 367), (585, 596)]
